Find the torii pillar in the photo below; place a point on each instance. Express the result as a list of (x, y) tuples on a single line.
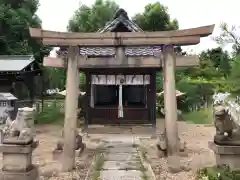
[(170, 106), (70, 120)]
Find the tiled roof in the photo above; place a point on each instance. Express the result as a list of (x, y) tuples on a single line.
[(129, 51), (14, 63), (7, 96), (120, 17)]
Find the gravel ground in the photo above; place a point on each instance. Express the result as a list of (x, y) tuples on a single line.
[(49, 169), (196, 136), (198, 154)]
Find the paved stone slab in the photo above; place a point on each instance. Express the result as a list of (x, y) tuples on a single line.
[(121, 157), (120, 175), (120, 149), (121, 165), (120, 145), (122, 161), (120, 139)]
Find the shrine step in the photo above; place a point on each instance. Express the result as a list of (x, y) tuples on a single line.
[(121, 129)]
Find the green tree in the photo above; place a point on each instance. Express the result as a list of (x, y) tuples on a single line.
[(214, 63), (234, 77), (15, 19), (155, 18), (92, 18), (219, 60), (229, 35), (199, 83)]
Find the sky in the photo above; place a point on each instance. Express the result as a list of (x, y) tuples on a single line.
[(55, 15)]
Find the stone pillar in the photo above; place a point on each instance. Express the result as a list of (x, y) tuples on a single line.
[(170, 105), (71, 102)]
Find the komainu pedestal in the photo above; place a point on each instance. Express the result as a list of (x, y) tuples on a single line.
[(17, 162), (17, 145), (226, 155), (226, 144)]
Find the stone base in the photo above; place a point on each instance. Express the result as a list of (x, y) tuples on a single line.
[(17, 141), (30, 175), (144, 129), (162, 147), (226, 155), (57, 154), (17, 158), (227, 141)]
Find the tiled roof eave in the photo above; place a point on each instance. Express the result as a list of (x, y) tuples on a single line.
[(130, 51), (110, 51)]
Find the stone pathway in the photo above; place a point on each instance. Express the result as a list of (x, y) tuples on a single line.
[(122, 160)]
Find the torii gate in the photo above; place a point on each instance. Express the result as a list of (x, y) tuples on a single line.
[(119, 40)]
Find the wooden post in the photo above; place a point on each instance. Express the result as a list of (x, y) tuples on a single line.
[(71, 101), (170, 106)]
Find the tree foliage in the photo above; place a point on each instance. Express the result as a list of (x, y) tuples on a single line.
[(92, 18), (229, 35), (15, 19), (233, 79), (201, 82), (155, 18)]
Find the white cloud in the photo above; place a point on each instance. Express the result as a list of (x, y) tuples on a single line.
[(56, 13)]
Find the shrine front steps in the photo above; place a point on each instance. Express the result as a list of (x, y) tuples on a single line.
[(121, 129)]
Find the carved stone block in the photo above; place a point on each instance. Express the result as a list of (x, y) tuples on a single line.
[(162, 144), (17, 158), (57, 154), (17, 141), (226, 155), (17, 162), (29, 175)]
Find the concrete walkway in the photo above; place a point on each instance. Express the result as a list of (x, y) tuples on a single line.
[(122, 160)]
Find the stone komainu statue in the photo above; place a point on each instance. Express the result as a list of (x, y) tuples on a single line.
[(223, 123), (19, 131)]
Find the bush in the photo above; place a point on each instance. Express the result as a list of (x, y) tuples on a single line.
[(202, 116), (218, 173), (51, 113)]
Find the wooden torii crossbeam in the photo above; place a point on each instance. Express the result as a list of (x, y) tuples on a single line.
[(126, 62), (176, 37), (119, 40)]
